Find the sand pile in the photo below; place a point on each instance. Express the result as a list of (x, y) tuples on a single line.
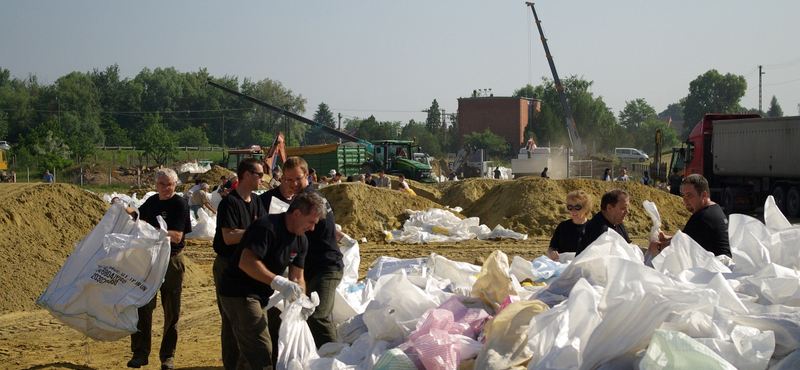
[(365, 211), (40, 225)]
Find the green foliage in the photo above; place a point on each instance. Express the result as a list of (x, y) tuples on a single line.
[(418, 131), (774, 108), (434, 121), (370, 129), (3, 124), (52, 152), (192, 136), (635, 114), (323, 116), (712, 92), (494, 145), (644, 136), (674, 111), (157, 142)]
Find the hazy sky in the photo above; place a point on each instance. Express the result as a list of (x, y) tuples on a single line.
[(393, 58)]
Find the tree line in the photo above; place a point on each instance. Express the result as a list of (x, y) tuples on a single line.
[(159, 110)]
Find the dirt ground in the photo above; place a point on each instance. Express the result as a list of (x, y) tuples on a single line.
[(41, 223)]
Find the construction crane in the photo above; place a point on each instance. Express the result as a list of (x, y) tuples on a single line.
[(572, 129)]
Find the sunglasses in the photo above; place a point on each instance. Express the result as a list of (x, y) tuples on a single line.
[(576, 207), (259, 174)]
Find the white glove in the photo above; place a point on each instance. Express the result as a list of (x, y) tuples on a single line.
[(347, 240), (289, 289)]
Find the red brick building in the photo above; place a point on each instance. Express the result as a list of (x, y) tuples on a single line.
[(503, 116)]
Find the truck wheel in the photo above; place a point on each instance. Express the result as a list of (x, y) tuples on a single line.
[(368, 167), (728, 200), (793, 202), (780, 198), (641, 160)]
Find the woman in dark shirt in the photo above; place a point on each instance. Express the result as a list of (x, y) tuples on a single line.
[(568, 234)]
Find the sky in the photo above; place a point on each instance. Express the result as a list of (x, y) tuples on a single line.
[(391, 59)]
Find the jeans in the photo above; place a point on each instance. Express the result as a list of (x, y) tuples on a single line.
[(171, 302), (320, 322)]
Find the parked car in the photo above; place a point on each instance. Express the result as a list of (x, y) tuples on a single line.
[(5, 145), (630, 155)]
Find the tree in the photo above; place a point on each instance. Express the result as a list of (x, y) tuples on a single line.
[(192, 136), (434, 121), (494, 145), (644, 136), (418, 131), (156, 141), (635, 113), (324, 117), (712, 92), (674, 111), (370, 129), (774, 108)]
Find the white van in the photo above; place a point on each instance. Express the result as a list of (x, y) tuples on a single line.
[(630, 155)]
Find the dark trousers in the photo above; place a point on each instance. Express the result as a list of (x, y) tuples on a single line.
[(320, 322), (171, 302), (252, 327), (230, 350)]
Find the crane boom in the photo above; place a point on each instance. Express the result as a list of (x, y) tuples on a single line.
[(574, 138), (326, 129)]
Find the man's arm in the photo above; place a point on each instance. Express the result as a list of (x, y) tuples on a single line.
[(175, 236), (296, 275), (232, 236), (251, 264)]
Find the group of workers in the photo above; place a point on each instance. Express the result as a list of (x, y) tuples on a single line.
[(708, 225)]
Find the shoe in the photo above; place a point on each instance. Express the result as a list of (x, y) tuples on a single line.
[(137, 361), (168, 364)]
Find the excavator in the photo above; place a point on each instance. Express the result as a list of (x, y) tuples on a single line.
[(5, 176), (278, 148), (393, 156)]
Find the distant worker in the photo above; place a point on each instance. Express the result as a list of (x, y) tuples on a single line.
[(451, 175), (675, 182), (383, 181), (401, 152), (497, 172), (312, 176), (568, 234), (544, 173), (646, 179), (369, 180), (614, 206), (323, 182), (362, 179), (337, 179), (175, 212), (530, 147), (708, 225), (200, 199), (404, 188), (401, 179), (623, 175), (607, 175), (48, 177)]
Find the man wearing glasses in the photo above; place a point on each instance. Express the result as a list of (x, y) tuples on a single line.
[(175, 212), (236, 212)]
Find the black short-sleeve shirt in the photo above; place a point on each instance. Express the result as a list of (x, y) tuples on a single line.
[(596, 227), (174, 211), (567, 237), (234, 213), (269, 238), (709, 228), (266, 197)]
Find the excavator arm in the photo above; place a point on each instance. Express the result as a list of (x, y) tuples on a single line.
[(278, 148)]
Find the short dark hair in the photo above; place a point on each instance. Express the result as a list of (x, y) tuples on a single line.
[(248, 164), (698, 181), (612, 197), (307, 201)]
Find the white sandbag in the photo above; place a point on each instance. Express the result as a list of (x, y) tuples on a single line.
[(507, 336), (438, 225), (456, 272), (296, 345), (351, 297), (773, 217), (684, 253), (118, 267), (773, 284), (494, 284), (675, 350), (205, 228), (384, 265), (748, 348)]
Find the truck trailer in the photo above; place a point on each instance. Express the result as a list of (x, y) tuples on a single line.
[(747, 158)]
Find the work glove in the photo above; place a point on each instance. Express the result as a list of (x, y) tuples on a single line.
[(288, 289)]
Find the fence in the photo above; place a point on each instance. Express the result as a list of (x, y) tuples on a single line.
[(183, 148)]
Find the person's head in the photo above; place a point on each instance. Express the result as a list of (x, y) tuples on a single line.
[(250, 174), (579, 203), (381, 173), (675, 170), (694, 190), (646, 174), (615, 205), (323, 180), (545, 169), (362, 178), (608, 170), (349, 178), (401, 177), (332, 173), (223, 179), (623, 171), (295, 175), (304, 212), (166, 180), (114, 200), (367, 176), (204, 186), (46, 172)]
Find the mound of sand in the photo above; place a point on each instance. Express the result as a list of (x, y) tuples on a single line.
[(40, 225)]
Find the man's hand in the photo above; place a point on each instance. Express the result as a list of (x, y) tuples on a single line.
[(553, 254), (288, 289)]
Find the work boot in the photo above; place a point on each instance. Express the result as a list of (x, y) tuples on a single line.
[(138, 361), (168, 364)]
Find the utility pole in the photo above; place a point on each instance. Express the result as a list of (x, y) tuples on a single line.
[(444, 127), (223, 132), (759, 89), (340, 126)]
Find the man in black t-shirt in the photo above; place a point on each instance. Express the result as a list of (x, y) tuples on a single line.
[(175, 212), (324, 264), (237, 211), (708, 225), (675, 182), (268, 246), (614, 206)]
